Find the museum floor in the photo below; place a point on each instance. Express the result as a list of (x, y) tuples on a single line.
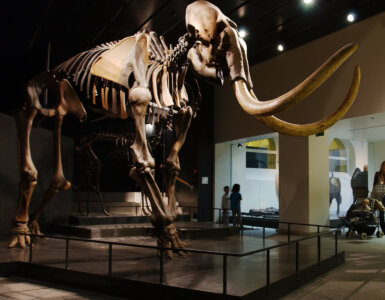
[(361, 276)]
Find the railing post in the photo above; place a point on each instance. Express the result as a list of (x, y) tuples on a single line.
[(264, 234), (318, 229), (161, 267), (296, 258), (267, 271), (224, 274), (241, 223), (67, 250), (109, 259), (335, 244), (30, 249), (288, 232), (319, 250)]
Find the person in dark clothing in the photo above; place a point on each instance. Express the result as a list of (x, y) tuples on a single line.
[(378, 191), (235, 201), (379, 177)]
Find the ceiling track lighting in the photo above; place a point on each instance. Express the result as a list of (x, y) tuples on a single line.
[(351, 17), (308, 2), (242, 32)]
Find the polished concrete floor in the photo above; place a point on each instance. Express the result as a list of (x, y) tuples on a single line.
[(361, 277), (194, 271), (23, 289)]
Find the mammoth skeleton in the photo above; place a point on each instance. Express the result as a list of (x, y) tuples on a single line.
[(130, 78)]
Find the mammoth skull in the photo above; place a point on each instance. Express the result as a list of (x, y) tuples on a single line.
[(217, 43)]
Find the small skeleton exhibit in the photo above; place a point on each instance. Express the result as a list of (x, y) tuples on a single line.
[(142, 78)]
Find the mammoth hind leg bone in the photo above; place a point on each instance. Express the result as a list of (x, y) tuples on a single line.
[(28, 178), (58, 180)]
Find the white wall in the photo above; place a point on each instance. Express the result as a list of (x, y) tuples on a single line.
[(258, 186), (222, 173), (358, 156), (379, 157)]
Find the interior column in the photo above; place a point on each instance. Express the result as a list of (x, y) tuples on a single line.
[(303, 181)]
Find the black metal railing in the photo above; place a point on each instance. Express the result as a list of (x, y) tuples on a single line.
[(224, 255)]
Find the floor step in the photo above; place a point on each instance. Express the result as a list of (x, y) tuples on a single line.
[(102, 219), (186, 230)]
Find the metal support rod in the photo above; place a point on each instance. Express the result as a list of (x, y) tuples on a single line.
[(288, 232), (318, 229), (264, 233), (224, 274), (296, 257), (267, 271), (335, 244), (319, 250), (88, 194), (67, 250), (47, 63), (109, 259), (161, 267), (30, 250)]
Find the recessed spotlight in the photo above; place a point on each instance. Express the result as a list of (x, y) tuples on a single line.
[(308, 2), (242, 32), (280, 47), (351, 17)]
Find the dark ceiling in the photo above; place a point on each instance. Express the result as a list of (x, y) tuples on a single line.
[(72, 26)]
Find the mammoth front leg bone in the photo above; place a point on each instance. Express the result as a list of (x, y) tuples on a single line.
[(58, 180), (28, 178), (143, 173), (182, 121)]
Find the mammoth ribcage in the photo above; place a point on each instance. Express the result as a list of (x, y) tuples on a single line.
[(165, 81), (98, 91), (118, 144), (101, 92)]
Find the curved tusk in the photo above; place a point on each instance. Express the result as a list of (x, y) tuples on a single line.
[(313, 128), (255, 107)]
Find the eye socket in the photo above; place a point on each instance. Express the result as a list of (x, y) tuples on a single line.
[(202, 42), (192, 31)]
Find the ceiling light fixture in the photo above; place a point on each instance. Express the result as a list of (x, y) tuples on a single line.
[(242, 32), (239, 146), (351, 17), (308, 2), (280, 48)]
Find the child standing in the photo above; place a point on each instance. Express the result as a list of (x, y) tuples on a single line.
[(225, 205)]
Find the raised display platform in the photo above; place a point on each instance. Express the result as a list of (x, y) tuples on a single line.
[(134, 273), (99, 225)]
